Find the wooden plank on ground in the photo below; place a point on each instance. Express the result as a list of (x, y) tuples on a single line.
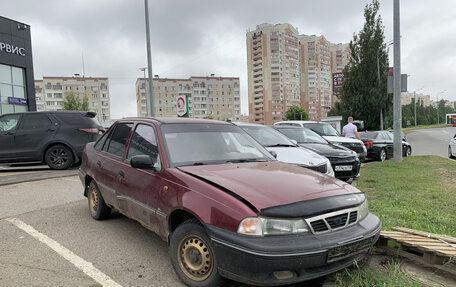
[(426, 234)]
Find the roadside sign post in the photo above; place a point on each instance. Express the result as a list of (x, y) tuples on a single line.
[(182, 106)]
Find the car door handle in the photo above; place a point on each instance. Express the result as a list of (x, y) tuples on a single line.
[(99, 163), (9, 134), (50, 130), (121, 174)]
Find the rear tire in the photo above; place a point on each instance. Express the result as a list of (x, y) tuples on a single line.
[(192, 256), (97, 206), (59, 157), (450, 152), (382, 155), (408, 152)]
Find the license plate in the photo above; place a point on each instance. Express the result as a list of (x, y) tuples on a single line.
[(348, 250), (343, 167)]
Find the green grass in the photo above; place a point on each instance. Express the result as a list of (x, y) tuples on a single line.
[(357, 276), (419, 193)]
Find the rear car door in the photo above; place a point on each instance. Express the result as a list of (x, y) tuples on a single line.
[(387, 139), (8, 128), (139, 189), (109, 160), (34, 133)]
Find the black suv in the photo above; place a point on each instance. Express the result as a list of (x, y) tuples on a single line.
[(56, 138)]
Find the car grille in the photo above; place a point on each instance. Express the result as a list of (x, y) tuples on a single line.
[(356, 147), (320, 168), (333, 221)]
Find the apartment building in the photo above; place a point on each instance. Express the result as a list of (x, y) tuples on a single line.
[(50, 92), (407, 98), (285, 69), (273, 72), (316, 76), (211, 97)]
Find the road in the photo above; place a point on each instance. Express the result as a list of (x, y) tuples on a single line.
[(431, 141)]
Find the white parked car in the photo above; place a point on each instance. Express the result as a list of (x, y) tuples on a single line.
[(452, 148), (287, 150), (329, 133)]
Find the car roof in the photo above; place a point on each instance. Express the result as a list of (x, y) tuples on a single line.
[(298, 122), (170, 120), (289, 127), (243, 124), (53, 112)]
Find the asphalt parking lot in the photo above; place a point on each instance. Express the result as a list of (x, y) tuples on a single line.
[(48, 238)]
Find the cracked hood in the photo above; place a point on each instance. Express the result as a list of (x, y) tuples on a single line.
[(267, 184)]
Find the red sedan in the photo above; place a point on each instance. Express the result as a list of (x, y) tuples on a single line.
[(226, 207)]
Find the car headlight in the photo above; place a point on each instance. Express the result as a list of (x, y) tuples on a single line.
[(329, 169), (363, 210), (262, 226)]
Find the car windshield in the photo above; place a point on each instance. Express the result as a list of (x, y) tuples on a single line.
[(303, 135), (322, 129), (267, 137), (199, 144)]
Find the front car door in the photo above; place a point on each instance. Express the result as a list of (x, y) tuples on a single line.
[(8, 128), (34, 133), (139, 189)]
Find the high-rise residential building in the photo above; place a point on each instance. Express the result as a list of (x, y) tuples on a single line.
[(273, 72), (285, 69), (316, 77), (211, 97), (407, 98), (50, 92)]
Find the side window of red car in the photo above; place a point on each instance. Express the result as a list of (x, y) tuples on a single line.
[(117, 139), (144, 142)]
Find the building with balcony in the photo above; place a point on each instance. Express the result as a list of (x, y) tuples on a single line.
[(50, 92), (273, 72), (286, 69), (211, 97)]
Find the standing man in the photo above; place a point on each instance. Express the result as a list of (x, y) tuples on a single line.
[(350, 130)]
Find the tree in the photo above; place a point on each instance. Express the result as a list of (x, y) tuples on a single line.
[(364, 91), (73, 103), (296, 113)]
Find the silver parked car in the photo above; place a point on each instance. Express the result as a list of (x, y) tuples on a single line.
[(287, 150), (452, 148)]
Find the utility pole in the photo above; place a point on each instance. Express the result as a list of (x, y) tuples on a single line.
[(145, 92), (149, 61), (397, 83)]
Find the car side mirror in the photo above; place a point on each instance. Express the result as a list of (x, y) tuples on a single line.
[(274, 154), (454, 136), (142, 162), (294, 141)]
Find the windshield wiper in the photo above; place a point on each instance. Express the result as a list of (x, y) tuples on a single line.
[(280, 145), (247, 160)]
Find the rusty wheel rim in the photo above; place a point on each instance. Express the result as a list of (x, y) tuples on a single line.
[(195, 258), (93, 200)]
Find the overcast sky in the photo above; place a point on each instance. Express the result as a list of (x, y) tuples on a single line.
[(198, 38)]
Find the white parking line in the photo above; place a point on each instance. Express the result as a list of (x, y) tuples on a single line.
[(77, 261)]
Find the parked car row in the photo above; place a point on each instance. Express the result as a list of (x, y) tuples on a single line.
[(224, 204)]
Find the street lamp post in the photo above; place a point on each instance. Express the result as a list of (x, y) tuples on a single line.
[(438, 106), (414, 96), (145, 92), (387, 44)]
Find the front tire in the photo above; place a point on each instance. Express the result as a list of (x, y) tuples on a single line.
[(382, 155), (59, 157), (450, 152), (192, 256), (97, 206)]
